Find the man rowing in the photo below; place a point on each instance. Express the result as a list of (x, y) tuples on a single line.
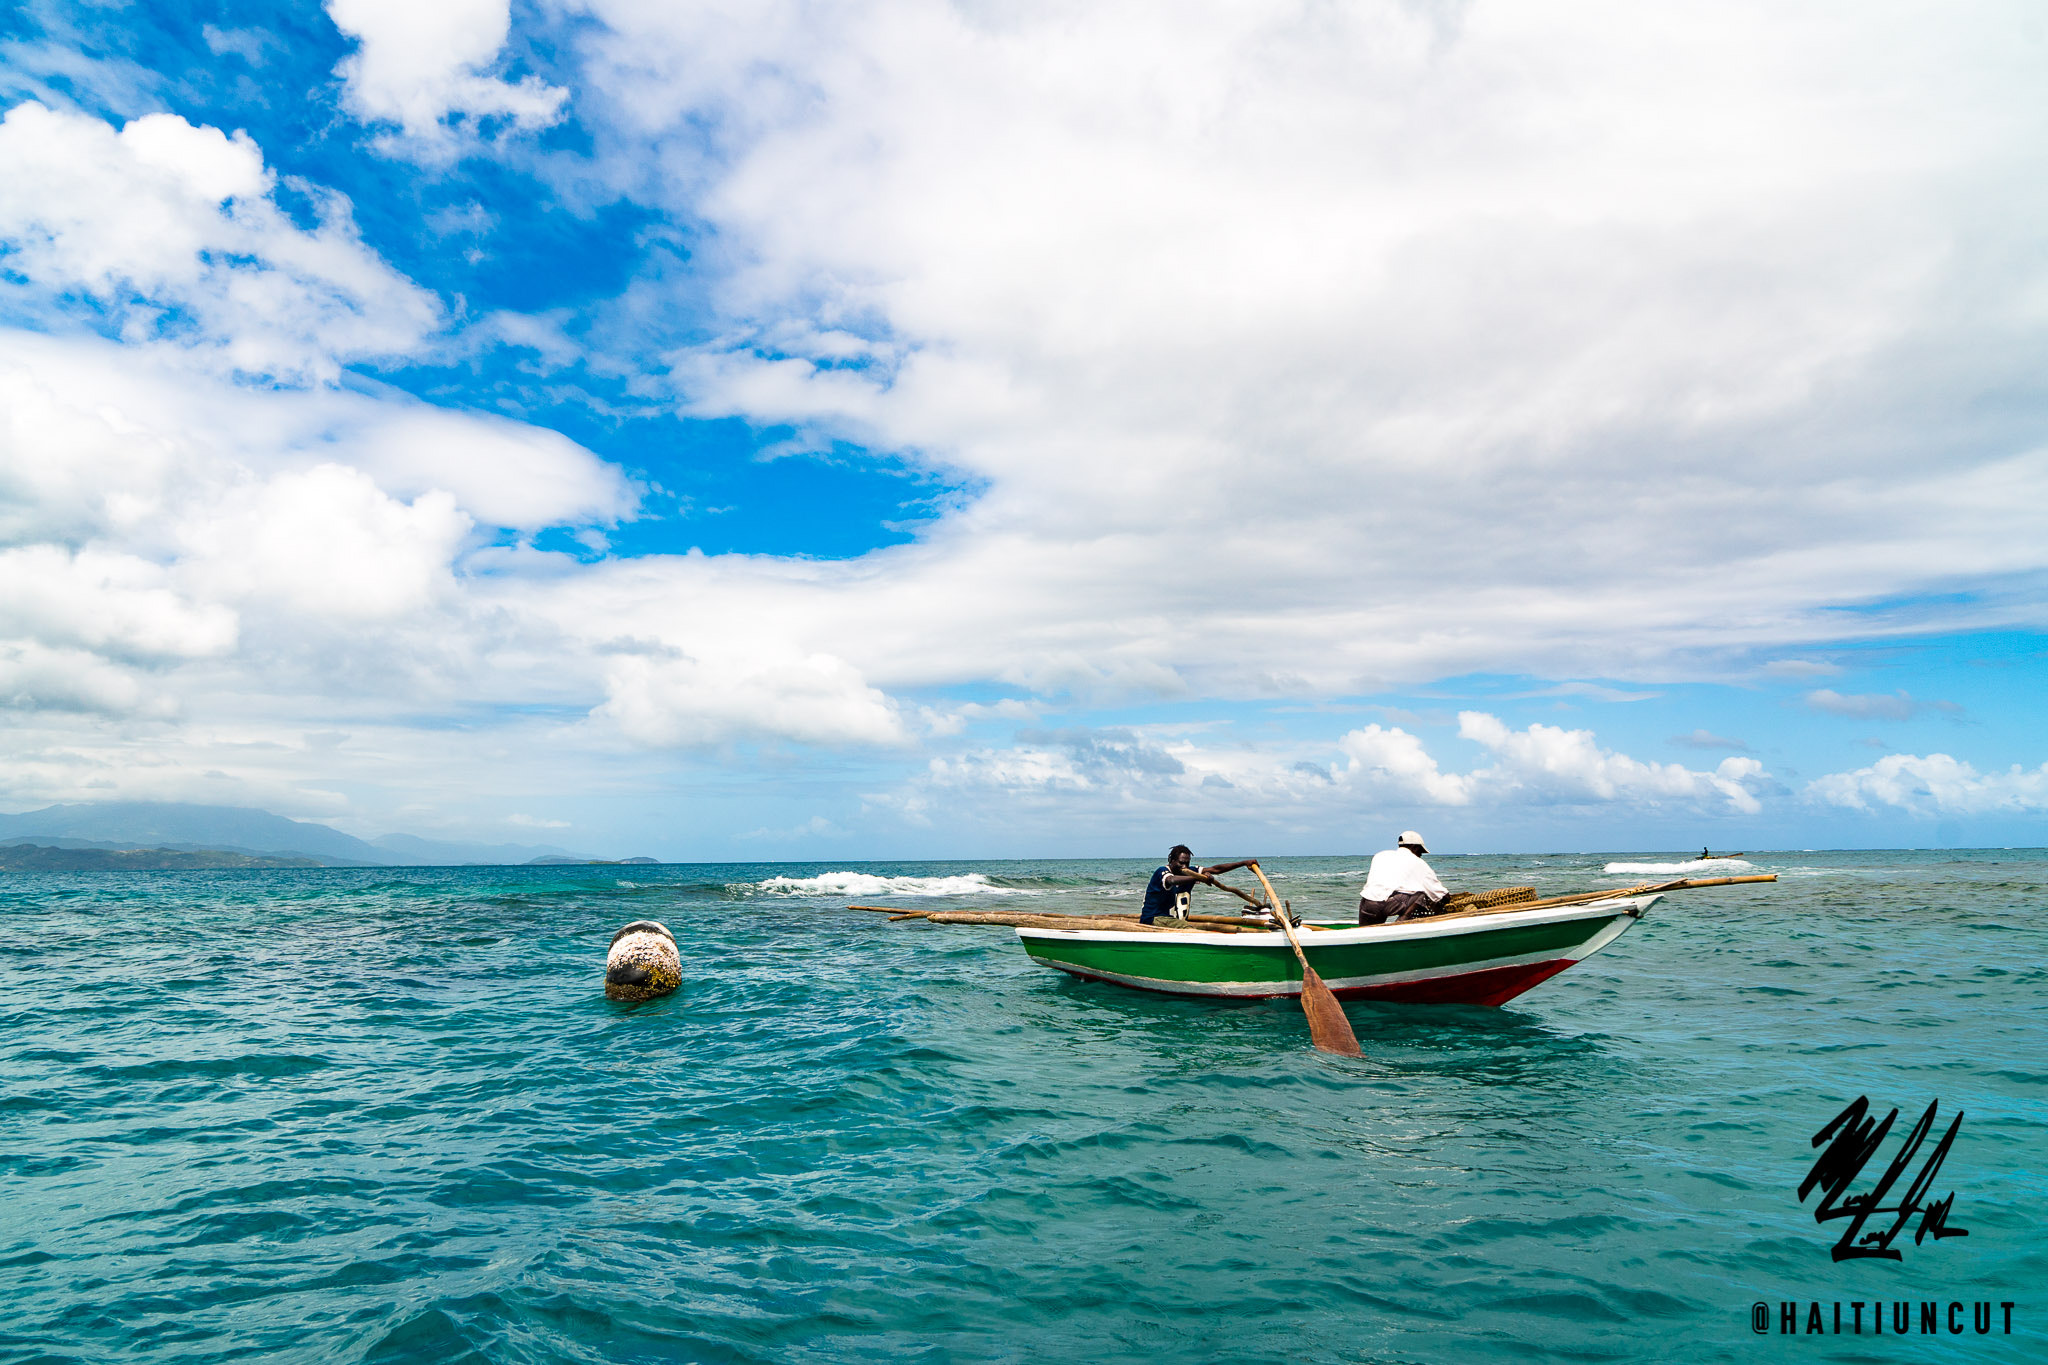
[(1166, 895), (1400, 885)]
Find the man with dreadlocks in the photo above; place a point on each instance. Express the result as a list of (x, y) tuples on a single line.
[(1166, 895)]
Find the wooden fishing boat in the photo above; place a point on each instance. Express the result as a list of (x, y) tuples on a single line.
[(1482, 959)]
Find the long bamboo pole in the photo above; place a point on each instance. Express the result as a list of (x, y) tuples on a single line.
[(1586, 897), (1023, 921)]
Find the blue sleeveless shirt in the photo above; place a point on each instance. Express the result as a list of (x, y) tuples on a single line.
[(1158, 899)]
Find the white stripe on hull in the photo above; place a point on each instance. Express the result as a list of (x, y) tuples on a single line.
[(1364, 933), (1335, 983)]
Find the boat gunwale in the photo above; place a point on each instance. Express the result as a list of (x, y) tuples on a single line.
[(1363, 933)]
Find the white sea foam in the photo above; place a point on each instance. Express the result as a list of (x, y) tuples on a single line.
[(839, 884), (1714, 865)]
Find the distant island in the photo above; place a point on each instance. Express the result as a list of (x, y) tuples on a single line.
[(42, 858), (168, 835)]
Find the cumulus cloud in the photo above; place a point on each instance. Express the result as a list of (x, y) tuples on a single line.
[(171, 228), (1380, 767), (100, 441), (114, 603), (669, 699), (1935, 785), (1392, 304), (176, 544), (34, 677), (1545, 764), (421, 66), (327, 542), (1393, 763)]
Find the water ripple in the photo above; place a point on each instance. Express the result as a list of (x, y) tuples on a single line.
[(373, 1116)]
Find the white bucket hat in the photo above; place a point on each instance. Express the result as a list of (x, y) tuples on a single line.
[(1409, 836)]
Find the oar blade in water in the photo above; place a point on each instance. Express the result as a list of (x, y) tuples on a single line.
[(1328, 1029)]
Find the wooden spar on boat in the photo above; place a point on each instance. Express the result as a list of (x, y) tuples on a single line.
[(1228, 924), (1585, 897), (1020, 920)]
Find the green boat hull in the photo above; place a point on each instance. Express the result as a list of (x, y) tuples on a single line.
[(1481, 960)]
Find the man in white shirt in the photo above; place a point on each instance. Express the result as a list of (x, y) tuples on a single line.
[(1400, 885)]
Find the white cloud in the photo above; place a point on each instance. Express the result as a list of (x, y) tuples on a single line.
[(1381, 345), (1800, 668), (252, 45), (98, 441), (172, 229), (174, 544), (113, 603), (1382, 769), (1545, 764), (503, 473), (817, 827), (327, 542), (1935, 785), (419, 65), (1899, 705), (1590, 691), (1394, 764), (34, 677), (535, 822), (669, 699), (1861, 707)]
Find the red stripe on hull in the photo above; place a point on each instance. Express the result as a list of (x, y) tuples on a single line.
[(1493, 986)]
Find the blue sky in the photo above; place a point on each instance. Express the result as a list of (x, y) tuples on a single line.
[(865, 431)]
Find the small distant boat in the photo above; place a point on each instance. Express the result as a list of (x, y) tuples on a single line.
[(1484, 959), (1714, 857)]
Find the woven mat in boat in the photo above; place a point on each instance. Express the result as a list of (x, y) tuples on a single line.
[(1486, 900)]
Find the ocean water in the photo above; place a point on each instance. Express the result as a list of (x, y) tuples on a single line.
[(388, 1115)]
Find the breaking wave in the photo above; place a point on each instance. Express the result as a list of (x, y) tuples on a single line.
[(868, 884), (1715, 865)]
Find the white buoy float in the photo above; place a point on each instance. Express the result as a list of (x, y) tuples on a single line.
[(643, 962)]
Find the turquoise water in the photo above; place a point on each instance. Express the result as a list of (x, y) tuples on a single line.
[(388, 1115)]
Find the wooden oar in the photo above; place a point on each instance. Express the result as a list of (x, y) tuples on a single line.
[(1328, 1029)]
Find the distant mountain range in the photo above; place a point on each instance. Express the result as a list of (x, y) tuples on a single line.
[(115, 826)]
